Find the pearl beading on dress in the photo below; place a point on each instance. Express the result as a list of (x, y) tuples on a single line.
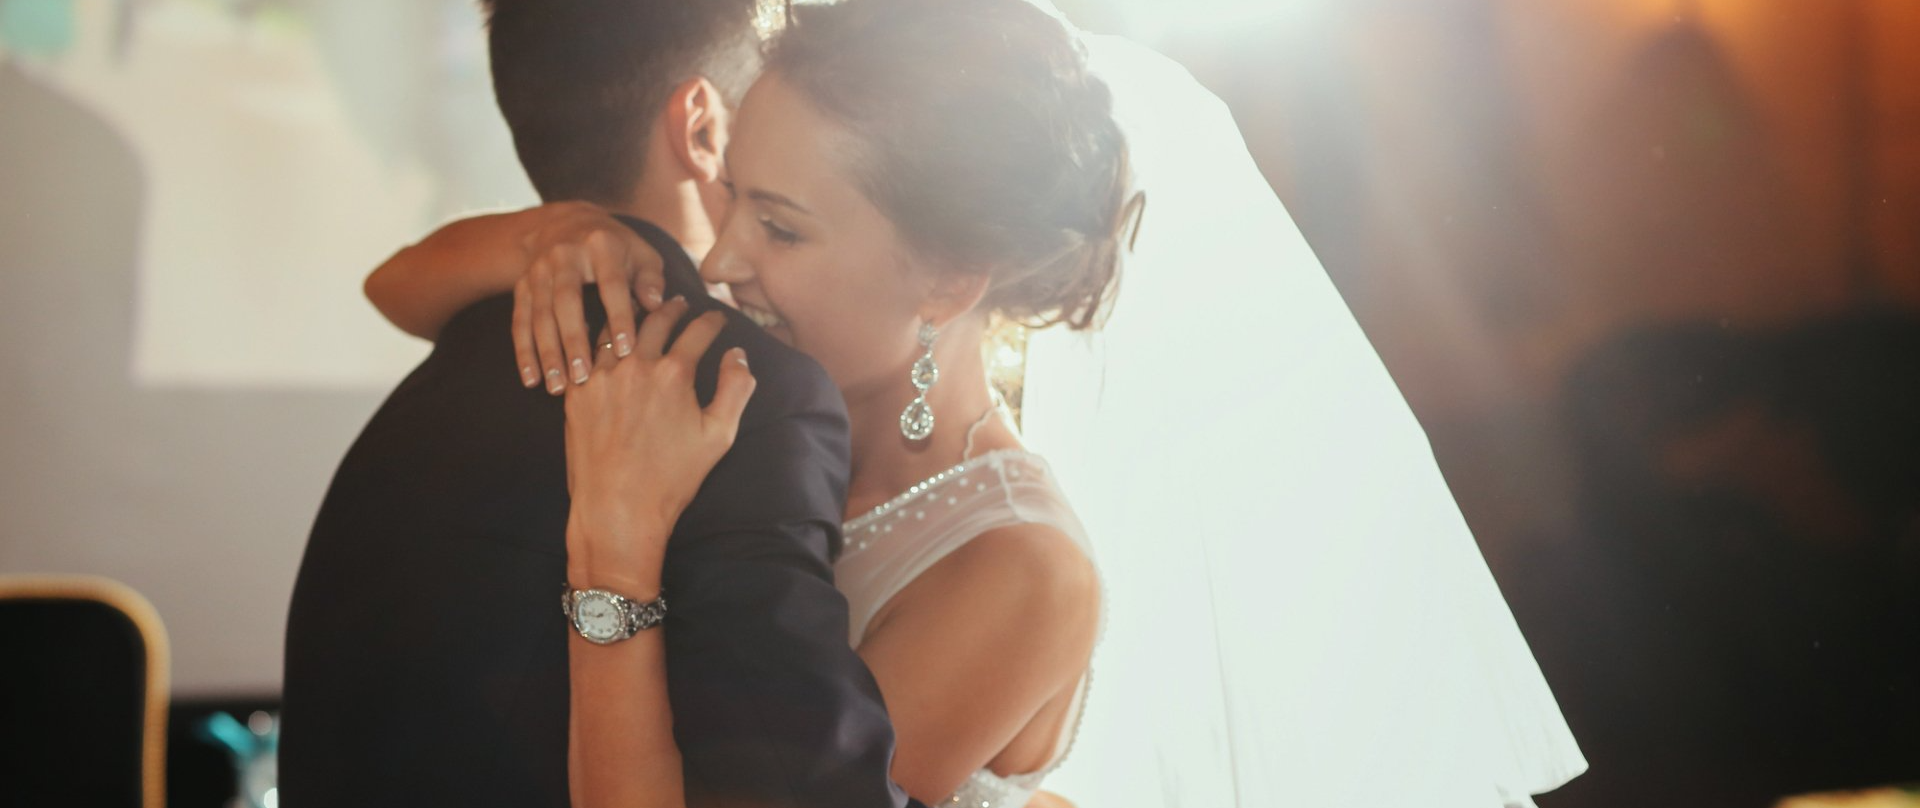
[(862, 530)]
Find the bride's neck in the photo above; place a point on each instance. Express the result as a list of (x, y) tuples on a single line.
[(885, 463)]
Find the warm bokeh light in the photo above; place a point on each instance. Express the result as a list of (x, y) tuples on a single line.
[(1646, 272)]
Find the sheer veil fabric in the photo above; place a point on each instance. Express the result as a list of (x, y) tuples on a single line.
[(1297, 613)]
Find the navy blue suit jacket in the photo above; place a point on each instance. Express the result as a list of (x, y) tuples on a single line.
[(426, 659)]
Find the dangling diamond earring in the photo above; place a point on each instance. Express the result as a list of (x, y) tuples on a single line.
[(916, 422)]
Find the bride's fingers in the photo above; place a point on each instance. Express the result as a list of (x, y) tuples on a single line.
[(608, 267), (523, 354), (546, 334), (588, 401), (730, 395), (649, 270), (696, 338), (619, 305), (652, 339), (605, 353), (570, 315)]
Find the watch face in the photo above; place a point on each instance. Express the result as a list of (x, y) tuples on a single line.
[(596, 618)]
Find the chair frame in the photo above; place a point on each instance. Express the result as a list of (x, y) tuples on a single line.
[(153, 635)]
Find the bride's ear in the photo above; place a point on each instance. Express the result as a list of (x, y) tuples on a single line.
[(696, 122)]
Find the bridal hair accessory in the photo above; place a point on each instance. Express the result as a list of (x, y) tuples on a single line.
[(916, 422)]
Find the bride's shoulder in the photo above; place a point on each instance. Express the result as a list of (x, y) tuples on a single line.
[(1041, 565), (1028, 584), (1017, 464)]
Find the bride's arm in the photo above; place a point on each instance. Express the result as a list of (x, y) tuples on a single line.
[(972, 650), (621, 727), (638, 447), (419, 288), (550, 251)]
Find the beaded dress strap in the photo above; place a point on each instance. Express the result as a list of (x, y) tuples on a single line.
[(926, 485)]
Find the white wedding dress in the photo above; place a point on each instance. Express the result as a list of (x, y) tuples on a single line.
[(1299, 613), (890, 546)]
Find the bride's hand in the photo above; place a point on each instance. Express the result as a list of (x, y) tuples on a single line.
[(639, 444), (575, 244), (423, 286)]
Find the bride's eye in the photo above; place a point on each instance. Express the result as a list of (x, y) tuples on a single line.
[(779, 234)]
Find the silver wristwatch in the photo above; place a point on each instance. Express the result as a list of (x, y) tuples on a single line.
[(603, 617)]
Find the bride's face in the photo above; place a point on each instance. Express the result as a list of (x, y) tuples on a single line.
[(806, 254)]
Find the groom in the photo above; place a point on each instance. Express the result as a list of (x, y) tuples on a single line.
[(426, 658)]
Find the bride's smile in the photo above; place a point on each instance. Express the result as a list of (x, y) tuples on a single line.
[(807, 256)]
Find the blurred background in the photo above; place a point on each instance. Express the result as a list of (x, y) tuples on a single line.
[(1646, 270)]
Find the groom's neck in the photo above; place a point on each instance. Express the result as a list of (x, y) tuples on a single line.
[(674, 207)]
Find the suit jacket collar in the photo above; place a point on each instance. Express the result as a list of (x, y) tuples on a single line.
[(683, 278)]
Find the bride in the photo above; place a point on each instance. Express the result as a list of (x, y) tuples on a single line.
[(1301, 616), (904, 174)]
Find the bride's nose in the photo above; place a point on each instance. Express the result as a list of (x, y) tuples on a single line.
[(725, 265)]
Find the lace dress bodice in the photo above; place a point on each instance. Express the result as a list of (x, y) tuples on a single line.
[(890, 546)]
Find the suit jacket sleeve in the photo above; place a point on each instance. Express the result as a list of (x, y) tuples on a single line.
[(771, 704)]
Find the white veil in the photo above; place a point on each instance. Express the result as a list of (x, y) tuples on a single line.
[(1298, 613)]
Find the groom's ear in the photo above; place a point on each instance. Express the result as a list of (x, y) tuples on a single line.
[(696, 128)]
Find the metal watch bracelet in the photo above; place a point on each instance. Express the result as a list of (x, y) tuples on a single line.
[(602, 617)]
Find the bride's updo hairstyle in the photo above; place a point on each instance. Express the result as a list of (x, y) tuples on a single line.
[(982, 136)]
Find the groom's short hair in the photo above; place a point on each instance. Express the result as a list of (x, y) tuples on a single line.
[(580, 82)]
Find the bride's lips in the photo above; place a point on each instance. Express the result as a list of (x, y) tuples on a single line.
[(722, 293), (760, 316), (760, 313)]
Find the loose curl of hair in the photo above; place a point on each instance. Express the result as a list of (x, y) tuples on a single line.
[(982, 135)]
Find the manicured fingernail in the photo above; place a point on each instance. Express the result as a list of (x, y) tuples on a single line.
[(528, 376), (579, 371), (554, 383), (622, 345), (653, 296), (740, 355)]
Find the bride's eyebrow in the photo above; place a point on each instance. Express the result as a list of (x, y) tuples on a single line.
[(772, 198)]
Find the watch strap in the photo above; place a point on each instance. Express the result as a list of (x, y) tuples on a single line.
[(635, 616)]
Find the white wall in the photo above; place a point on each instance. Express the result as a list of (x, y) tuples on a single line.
[(185, 219)]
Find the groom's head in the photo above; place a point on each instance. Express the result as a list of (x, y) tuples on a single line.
[(605, 95)]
